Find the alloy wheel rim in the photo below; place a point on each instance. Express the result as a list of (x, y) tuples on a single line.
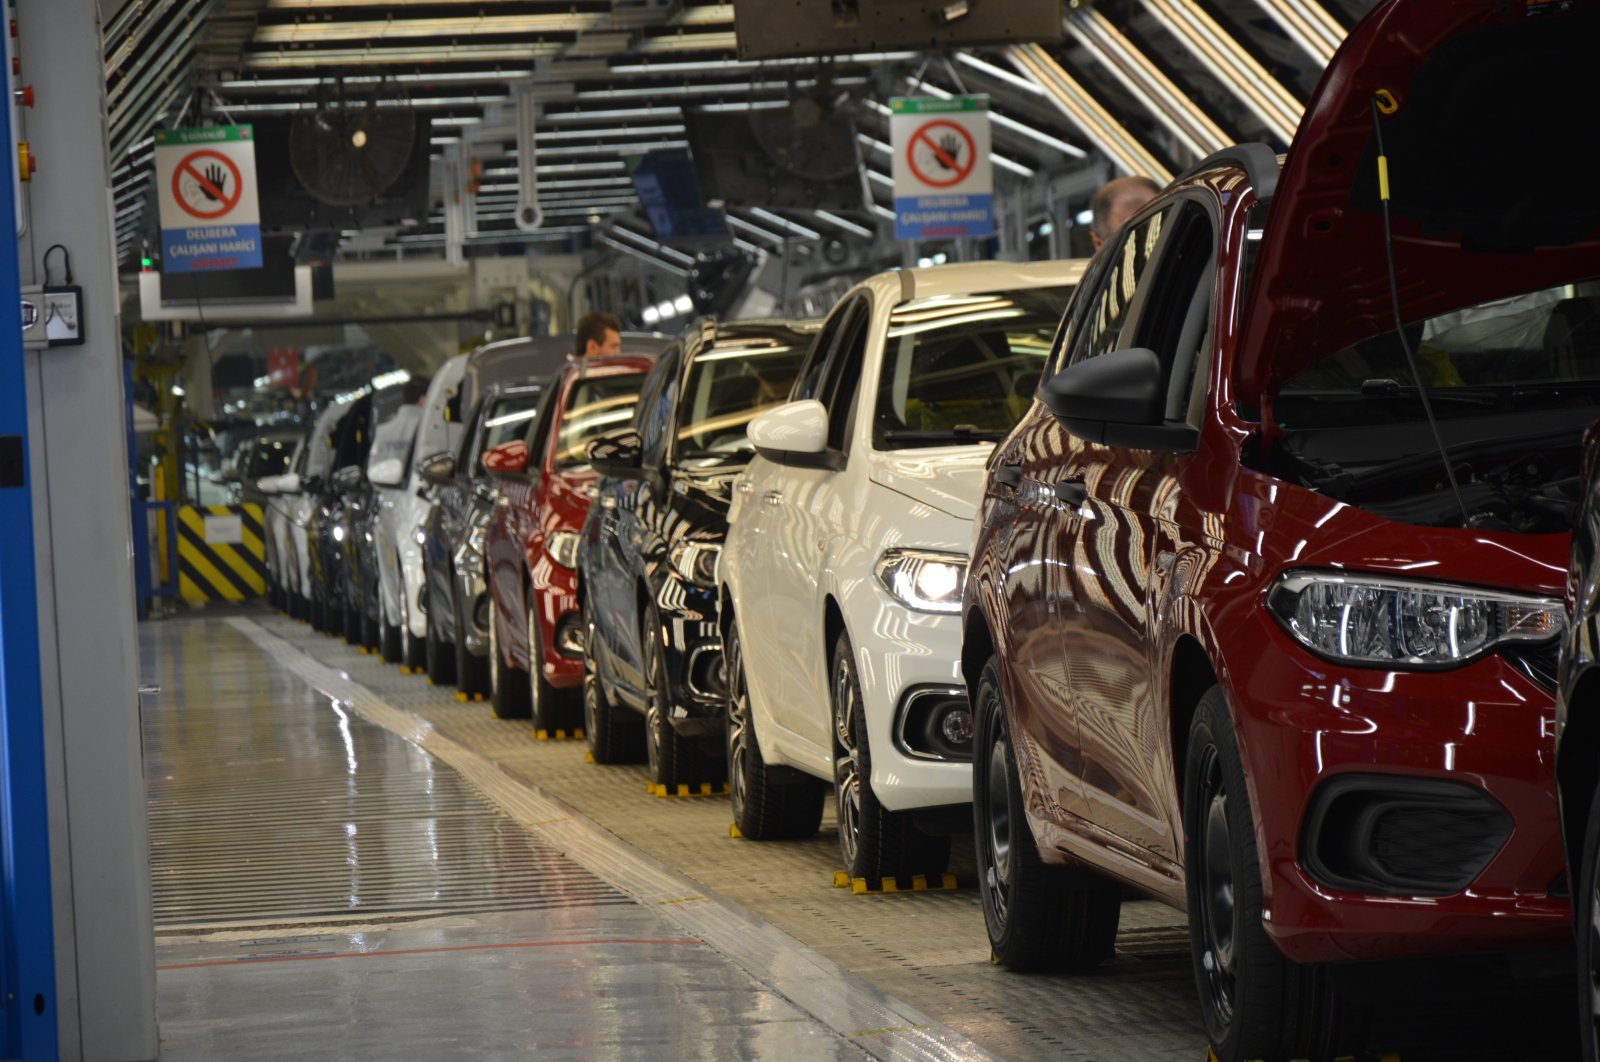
[(652, 713), (738, 727), (997, 813), (1218, 911), (1594, 950), (847, 763)]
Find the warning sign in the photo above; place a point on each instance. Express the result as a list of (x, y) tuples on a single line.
[(210, 213), (943, 179)]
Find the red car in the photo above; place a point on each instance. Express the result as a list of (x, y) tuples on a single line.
[(1237, 633), (531, 546)]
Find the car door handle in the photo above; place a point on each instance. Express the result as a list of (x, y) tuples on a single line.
[(746, 487), (1008, 474), (1072, 492), (773, 497)]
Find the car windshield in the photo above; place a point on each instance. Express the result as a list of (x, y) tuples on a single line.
[(963, 368), (728, 386), (1531, 351), (595, 404)]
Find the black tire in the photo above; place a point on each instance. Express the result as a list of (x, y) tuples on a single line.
[(371, 635), (319, 614), (552, 709), (764, 809), (674, 759), (413, 650), (1586, 908), (508, 687), (472, 672), (875, 842), (389, 643), (1039, 917), (441, 657), (1256, 1003), (615, 734), (350, 624)]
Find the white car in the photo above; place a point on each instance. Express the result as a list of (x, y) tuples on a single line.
[(295, 502), (847, 548), (399, 446), (282, 567)]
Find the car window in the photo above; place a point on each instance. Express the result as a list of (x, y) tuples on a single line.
[(655, 408), (1176, 318), (962, 368), (504, 420), (728, 384), (842, 376), (811, 373), (594, 404), (1102, 317), (269, 457)]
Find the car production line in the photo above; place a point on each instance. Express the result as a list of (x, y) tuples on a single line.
[(486, 911)]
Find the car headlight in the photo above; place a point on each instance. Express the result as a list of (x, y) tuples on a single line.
[(924, 580), (338, 532), (696, 562), (1378, 621), (421, 535), (475, 538), (563, 548)]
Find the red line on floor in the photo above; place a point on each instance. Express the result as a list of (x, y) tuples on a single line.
[(246, 960)]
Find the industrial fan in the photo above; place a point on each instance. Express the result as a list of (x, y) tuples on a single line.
[(813, 137), (348, 151)]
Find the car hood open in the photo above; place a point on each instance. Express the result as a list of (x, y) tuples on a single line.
[(1490, 165), (947, 478)]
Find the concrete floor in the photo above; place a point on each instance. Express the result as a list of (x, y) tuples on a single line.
[(351, 864)]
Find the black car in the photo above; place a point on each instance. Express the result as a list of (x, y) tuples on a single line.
[(333, 578), (457, 595), (653, 676)]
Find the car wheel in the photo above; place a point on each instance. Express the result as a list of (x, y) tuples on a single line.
[(875, 842), (765, 808), (441, 657), (674, 760), (472, 671), (1039, 917), (1256, 1003), (1587, 918), (350, 624), (508, 691), (613, 732), (552, 709)]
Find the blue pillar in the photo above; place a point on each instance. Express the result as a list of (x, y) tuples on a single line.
[(27, 952)]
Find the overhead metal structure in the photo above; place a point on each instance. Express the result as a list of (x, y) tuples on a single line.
[(1139, 86)]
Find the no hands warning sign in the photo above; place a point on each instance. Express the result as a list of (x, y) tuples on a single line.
[(210, 214), (943, 179)]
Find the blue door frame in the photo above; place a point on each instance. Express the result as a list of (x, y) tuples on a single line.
[(28, 1017)]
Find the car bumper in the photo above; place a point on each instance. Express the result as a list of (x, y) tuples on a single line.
[(555, 600), (692, 645), (1485, 732), (900, 654)]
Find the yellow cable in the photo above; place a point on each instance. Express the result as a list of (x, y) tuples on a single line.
[(1383, 178)]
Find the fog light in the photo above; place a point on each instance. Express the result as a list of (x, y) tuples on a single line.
[(569, 635), (956, 726)]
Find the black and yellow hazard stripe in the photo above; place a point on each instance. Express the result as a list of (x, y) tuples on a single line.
[(221, 571)]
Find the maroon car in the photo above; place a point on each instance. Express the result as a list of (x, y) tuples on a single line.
[(1238, 632), (531, 546)]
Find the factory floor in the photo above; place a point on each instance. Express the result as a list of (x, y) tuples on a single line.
[(350, 863)]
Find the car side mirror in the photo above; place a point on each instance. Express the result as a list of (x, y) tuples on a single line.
[(796, 433), (507, 461), (389, 472), (288, 483), (616, 453), (438, 469), (268, 484), (1118, 399)]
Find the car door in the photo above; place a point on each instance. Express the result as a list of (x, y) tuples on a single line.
[(627, 522), (1122, 545), (809, 516)]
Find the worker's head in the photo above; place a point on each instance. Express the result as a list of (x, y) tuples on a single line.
[(1115, 203), (598, 333)]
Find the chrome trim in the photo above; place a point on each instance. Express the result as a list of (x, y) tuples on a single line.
[(688, 671), (912, 696)]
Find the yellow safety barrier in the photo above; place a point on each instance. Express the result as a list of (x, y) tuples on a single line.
[(222, 553)]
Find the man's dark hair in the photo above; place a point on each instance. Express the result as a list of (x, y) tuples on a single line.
[(1113, 192), (595, 326)]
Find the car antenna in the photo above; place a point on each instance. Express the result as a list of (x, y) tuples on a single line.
[(1394, 299)]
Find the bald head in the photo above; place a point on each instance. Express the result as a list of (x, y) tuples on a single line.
[(1116, 202)]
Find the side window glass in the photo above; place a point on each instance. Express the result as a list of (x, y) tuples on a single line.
[(843, 376), (809, 383), (1104, 315), (539, 435), (1175, 319), (655, 406)]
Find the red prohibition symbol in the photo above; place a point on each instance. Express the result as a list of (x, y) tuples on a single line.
[(215, 201), (955, 165)]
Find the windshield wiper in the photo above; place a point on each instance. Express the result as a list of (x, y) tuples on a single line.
[(959, 433)]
